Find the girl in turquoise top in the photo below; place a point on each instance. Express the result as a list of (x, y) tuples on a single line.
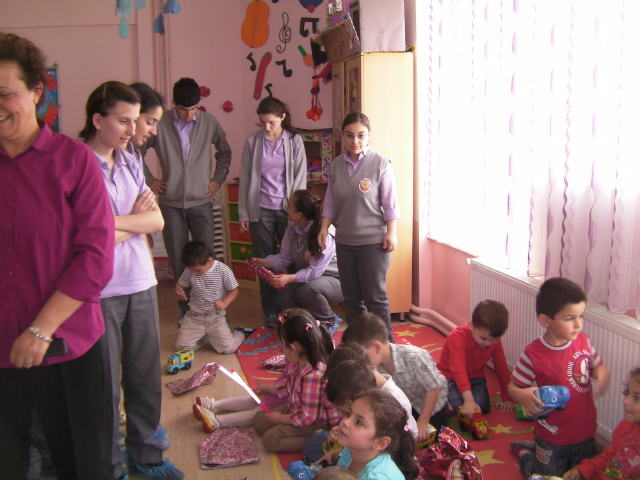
[(375, 429)]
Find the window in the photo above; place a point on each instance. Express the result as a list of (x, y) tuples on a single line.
[(530, 137)]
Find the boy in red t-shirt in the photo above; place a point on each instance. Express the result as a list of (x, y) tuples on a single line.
[(562, 356), (465, 353)]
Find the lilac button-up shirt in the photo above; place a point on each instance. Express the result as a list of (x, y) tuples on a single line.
[(56, 233), (132, 269), (185, 130), (273, 183), (316, 267), (388, 189)]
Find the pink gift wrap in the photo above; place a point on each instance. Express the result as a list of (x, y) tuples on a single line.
[(275, 363), (205, 376), (264, 273), (434, 461), (228, 447)]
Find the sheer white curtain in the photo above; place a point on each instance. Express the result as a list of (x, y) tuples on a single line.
[(532, 136)]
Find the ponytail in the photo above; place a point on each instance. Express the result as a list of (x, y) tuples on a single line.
[(297, 325), (310, 206), (102, 100), (404, 456), (391, 421), (274, 106)]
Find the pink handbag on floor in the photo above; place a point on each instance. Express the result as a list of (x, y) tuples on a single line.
[(228, 447)]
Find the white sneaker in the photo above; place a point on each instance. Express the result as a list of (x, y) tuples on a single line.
[(207, 417), (207, 402)]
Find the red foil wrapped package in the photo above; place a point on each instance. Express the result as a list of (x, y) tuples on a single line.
[(264, 273), (205, 376), (275, 363), (435, 460)]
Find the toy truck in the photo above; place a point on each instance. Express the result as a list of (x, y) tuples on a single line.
[(430, 439), (182, 359), (477, 424), (305, 469), (555, 397)]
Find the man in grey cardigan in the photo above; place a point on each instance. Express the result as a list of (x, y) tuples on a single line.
[(183, 146)]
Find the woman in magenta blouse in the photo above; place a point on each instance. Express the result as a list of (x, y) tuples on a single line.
[(56, 255)]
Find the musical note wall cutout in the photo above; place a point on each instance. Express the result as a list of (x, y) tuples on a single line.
[(253, 63), (285, 33), (267, 87), (314, 25), (287, 72)]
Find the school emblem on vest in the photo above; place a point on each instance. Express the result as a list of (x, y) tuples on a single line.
[(307, 256), (365, 185)]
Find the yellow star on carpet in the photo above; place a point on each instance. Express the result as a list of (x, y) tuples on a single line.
[(414, 325), (501, 429), (406, 333), (485, 457)]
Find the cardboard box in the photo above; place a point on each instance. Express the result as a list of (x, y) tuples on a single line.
[(337, 43)]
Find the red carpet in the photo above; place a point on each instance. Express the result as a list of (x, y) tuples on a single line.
[(494, 454)]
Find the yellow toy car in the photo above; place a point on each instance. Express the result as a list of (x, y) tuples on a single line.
[(182, 359), (477, 425)]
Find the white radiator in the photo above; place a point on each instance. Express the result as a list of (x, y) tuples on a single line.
[(615, 336)]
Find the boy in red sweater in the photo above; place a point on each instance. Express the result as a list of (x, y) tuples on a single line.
[(621, 459), (465, 353)]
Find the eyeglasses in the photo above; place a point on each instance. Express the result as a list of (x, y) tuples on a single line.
[(360, 136)]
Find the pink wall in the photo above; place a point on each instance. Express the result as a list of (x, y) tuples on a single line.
[(202, 41), (443, 279), (82, 38)]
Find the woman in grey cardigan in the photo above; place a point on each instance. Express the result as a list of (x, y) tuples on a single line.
[(273, 166)]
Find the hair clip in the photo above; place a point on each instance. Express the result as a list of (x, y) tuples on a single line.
[(406, 428), (309, 326), (282, 318), (104, 90)]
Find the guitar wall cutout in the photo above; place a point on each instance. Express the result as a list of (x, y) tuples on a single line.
[(287, 72), (253, 64), (262, 69), (255, 29), (314, 25)]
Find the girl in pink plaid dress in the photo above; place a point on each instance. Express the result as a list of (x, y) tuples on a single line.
[(306, 347)]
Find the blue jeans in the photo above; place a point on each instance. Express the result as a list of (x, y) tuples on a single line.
[(550, 459), (479, 391)]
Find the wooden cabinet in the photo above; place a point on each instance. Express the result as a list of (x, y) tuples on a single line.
[(380, 85)]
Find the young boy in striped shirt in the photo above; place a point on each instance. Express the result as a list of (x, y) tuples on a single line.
[(213, 288)]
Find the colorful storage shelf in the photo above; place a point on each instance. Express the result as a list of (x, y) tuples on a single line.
[(318, 145)]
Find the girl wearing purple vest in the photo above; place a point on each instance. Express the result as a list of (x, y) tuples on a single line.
[(129, 303), (362, 204)]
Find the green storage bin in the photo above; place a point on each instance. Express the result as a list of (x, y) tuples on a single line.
[(240, 251), (233, 212)]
